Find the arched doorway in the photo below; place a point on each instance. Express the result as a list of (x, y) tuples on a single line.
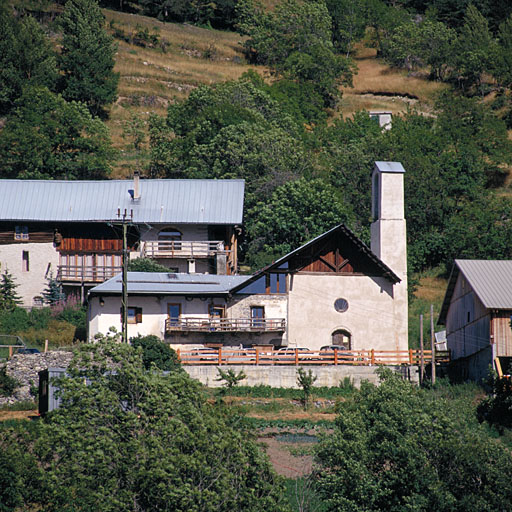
[(342, 337)]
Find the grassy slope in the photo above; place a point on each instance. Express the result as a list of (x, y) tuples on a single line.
[(152, 79)]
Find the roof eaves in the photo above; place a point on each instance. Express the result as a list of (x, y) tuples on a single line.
[(388, 273)]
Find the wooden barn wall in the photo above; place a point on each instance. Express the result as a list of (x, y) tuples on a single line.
[(502, 333), (467, 321)]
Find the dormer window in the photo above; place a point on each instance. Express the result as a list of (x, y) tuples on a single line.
[(21, 233)]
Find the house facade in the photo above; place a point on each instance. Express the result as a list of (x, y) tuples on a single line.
[(477, 311), (72, 230), (331, 290)]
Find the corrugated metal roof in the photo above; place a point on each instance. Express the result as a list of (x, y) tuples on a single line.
[(158, 283), (389, 167), (491, 280), (161, 201)]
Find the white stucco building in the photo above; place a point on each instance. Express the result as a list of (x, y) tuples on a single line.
[(332, 290)]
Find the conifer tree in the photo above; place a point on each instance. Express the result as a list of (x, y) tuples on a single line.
[(87, 58), (9, 299), (53, 293)]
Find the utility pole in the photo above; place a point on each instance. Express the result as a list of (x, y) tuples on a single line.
[(422, 358), (124, 301), (124, 297), (432, 344)]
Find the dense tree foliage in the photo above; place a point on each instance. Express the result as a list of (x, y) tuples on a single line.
[(46, 137), (87, 56), (395, 448), (26, 57), (295, 213), (130, 439), (295, 41)]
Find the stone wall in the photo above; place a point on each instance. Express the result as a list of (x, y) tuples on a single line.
[(286, 376), (25, 369)]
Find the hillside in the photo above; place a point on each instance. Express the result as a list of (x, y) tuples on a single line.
[(186, 56)]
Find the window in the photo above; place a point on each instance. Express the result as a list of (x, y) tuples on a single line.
[(257, 315), (341, 305), (25, 262), (217, 311), (134, 315), (21, 233), (169, 240), (38, 301), (174, 312), (342, 338)]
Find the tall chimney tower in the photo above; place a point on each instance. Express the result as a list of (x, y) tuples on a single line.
[(389, 237)]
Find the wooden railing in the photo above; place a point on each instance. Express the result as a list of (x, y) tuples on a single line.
[(295, 357), (198, 324), (182, 249), (87, 273)]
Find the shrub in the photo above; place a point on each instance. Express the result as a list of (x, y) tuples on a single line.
[(57, 332), (154, 351), (7, 384), (497, 408)]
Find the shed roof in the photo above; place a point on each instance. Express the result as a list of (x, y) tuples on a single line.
[(491, 280), (161, 201), (162, 283)]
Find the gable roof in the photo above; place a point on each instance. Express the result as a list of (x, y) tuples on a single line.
[(162, 283), (161, 201), (491, 280), (347, 236)]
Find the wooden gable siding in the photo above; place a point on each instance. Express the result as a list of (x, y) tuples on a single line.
[(78, 245), (502, 333), (333, 255)]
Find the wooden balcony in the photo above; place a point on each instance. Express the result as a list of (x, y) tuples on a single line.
[(208, 325), (182, 249), (87, 273)]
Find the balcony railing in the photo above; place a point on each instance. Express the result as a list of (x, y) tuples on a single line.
[(291, 356), (87, 273), (191, 324), (182, 249)]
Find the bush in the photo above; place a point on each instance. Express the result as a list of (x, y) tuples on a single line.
[(7, 384), (397, 447), (154, 351), (146, 265), (57, 332), (497, 408)]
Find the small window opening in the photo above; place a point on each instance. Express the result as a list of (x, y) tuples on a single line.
[(25, 261)]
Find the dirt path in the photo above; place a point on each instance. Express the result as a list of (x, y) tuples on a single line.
[(18, 415), (286, 464)]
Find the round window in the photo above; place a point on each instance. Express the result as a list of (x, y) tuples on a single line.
[(341, 305)]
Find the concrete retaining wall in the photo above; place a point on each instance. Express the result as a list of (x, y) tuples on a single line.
[(286, 376)]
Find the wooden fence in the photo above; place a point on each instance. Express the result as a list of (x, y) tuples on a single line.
[(289, 356)]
